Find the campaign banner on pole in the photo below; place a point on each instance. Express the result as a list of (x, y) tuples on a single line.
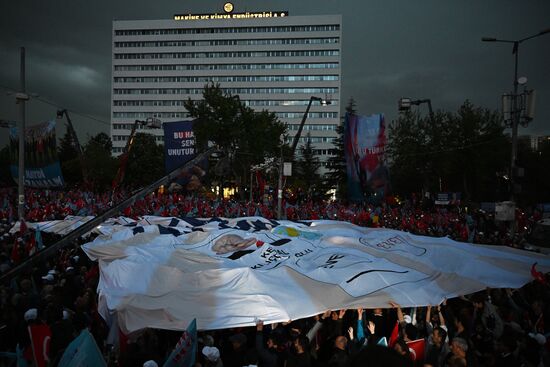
[(82, 352), (179, 144), (185, 351), (365, 144), (163, 272), (42, 168)]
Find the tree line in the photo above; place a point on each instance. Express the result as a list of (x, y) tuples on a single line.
[(466, 151)]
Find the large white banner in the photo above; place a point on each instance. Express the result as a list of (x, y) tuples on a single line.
[(164, 272)]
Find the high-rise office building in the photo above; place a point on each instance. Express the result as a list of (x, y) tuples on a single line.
[(270, 59)]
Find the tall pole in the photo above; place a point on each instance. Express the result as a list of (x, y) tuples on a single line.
[(280, 183), (251, 178), (21, 178), (516, 113), (301, 127), (515, 123)]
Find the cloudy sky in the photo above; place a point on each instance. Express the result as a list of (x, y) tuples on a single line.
[(391, 49)]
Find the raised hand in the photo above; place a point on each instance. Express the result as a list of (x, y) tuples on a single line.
[(371, 327)]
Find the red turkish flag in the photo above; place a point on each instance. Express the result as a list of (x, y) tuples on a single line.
[(539, 276), (40, 341), (394, 335), (417, 349)]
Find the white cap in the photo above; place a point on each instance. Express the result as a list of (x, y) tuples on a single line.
[(541, 339), (31, 314), (49, 277), (211, 353), (150, 363), (53, 272), (66, 315), (407, 319)]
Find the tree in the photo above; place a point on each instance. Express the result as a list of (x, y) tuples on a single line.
[(145, 161), (459, 151), (68, 158), (336, 176), (100, 163), (245, 136), (308, 165), (535, 183)]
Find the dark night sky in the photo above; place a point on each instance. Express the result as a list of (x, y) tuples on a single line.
[(391, 49)]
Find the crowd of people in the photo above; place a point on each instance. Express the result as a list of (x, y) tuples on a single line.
[(497, 327)]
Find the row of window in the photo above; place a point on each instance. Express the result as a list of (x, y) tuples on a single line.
[(233, 42), (302, 140), (227, 90), (302, 102), (312, 139), (148, 103), (324, 151), (313, 115), (236, 78), (287, 115), (149, 32), (252, 103), (319, 127), (316, 151), (217, 55), (139, 115), (330, 65), (125, 138)]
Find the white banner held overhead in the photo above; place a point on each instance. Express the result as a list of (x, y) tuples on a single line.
[(164, 272)]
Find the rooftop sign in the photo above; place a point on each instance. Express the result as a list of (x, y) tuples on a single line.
[(228, 14)]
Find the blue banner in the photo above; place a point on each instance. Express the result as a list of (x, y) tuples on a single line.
[(184, 353), (42, 168), (365, 144), (82, 352), (179, 144)]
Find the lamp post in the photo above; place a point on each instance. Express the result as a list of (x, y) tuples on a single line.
[(323, 102), (406, 103), (20, 98), (280, 183), (515, 113)]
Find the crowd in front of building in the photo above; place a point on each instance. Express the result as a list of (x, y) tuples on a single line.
[(496, 327)]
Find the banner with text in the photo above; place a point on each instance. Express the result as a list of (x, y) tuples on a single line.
[(163, 272), (179, 144), (42, 168), (365, 144)]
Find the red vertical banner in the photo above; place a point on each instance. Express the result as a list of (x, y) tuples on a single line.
[(40, 340)]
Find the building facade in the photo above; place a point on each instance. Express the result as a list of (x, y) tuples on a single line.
[(270, 60)]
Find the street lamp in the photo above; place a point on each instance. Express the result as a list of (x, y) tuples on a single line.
[(323, 102), (405, 104), (151, 123), (515, 115)]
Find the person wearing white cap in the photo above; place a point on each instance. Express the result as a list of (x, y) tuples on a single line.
[(211, 357), (31, 314)]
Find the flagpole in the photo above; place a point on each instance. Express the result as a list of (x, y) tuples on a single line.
[(20, 99)]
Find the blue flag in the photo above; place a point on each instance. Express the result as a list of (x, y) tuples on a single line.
[(82, 352), (185, 351), (38, 238)]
